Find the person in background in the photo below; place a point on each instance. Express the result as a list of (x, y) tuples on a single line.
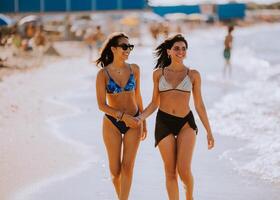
[(99, 38), (227, 50)]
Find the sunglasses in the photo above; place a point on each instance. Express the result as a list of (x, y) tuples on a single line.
[(126, 46)]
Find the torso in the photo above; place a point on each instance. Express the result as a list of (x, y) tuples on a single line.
[(228, 42), (176, 100), (120, 92)]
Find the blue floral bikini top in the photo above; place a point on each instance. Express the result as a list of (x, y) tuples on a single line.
[(113, 88)]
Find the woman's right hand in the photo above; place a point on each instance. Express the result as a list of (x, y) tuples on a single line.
[(130, 121)]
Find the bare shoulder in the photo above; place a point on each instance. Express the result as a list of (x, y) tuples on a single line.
[(101, 74), (135, 67), (157, 72), (194, 74)]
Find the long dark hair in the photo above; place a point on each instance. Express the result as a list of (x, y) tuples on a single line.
[(106, 55), (163, 59)]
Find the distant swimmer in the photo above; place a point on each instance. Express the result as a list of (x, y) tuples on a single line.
[(227, 49)]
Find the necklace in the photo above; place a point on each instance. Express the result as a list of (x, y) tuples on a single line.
[(119, 70)]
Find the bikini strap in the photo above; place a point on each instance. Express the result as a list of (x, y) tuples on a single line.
[(106, 70), (163, 71), (188, 70), (131, 71)]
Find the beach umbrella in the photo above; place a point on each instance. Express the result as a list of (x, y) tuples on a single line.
[(29, 19), (130, 20), (6, 21)]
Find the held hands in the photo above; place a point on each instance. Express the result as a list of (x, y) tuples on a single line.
[(135, 122), (130, 121), (210, 140), (144, 132)]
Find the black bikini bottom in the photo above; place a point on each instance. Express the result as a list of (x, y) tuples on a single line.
[(121, 126), (167, 124)]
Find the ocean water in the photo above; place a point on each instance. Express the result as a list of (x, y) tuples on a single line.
[(252, 112)]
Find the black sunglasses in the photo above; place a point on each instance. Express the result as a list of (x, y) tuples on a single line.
[(126, 46)]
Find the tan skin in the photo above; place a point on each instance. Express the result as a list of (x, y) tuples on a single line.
[(177, 152), (228, 41), (121, 150), (228, 45)]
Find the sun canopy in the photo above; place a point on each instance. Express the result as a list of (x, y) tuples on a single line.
[(6, 20)]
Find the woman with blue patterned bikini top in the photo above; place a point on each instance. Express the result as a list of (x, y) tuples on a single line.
[(113, 87), (118, 96)]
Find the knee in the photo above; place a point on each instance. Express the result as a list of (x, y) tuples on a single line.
[(185, 174), (171, 174), (127, 168), (115, 174)]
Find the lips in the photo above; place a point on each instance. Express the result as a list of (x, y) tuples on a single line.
[(180, 56)]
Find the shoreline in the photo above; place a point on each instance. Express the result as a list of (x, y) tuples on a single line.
[(26, 136)]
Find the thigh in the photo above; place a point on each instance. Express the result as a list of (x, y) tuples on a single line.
[(131, 142), (167, 148), (185, 146), (113, 143)]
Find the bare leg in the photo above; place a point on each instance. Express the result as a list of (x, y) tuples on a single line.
[(185, 146), (227, 68), (131, 142), (113, 142), (167, 147)]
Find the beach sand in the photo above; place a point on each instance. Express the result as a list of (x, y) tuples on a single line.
[(30, 147), (52, 140)]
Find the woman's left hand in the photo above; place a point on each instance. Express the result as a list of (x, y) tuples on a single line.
[(144, 132), (210, 140)]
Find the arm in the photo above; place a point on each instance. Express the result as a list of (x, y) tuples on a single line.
[(200, 108), (139, 97), (137, 90), (155, 99)]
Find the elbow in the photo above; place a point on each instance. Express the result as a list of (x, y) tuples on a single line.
[(154, 105), (101, 107), (199, 108)]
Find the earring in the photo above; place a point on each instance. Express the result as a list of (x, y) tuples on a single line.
[(168, 56)]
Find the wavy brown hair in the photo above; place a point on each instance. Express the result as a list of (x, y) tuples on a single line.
[(106, 55), (161, 51)]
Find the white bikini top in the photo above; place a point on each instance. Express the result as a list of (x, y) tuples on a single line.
[(184, 86)]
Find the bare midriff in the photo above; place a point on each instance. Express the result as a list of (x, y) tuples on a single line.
[(175, 103), (123, 101)]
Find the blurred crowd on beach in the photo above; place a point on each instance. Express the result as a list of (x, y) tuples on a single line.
[(30, 37)]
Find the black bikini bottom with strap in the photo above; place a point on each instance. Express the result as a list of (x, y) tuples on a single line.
[(167, 124), (121, 126)]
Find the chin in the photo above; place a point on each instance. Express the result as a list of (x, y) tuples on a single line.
[(179, 59), (125, 57)]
